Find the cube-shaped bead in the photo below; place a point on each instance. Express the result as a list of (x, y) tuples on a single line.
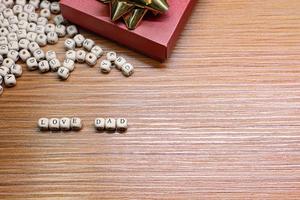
[(32, 64), (50, 55), (43, 124), (105, 66), (65, 124), (111, 56), (44, 66), (79, 39), (119, 62), (63, 73), (127, 69), (71, 54), (54, 124), (91, 59), (99, 124), (54, 64), (24, 54), (69, 64), (122, 125), (88, 44), (76, 124), (80, 56), (110, 124), (4, 71), (16, 70), (97, 51), (39, 54), (52, 38), (10, 80)]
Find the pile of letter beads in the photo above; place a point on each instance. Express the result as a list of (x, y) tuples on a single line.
[(62, 124)]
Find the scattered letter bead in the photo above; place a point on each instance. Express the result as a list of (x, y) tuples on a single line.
[(24, 43), (33, 46), (122, 124), (63, 73), (3, 49), (100, 124), (13, 45), (91, 59), (8, 62), (97, 51), (13, 54), (119, 62), (127, 69), (31, 36), (39, 54), (10, 80), (105, 66), (60, 30), (79, 39), (41, 40), (31, 27), (52, 38), (4, 71), (45, 4), (55, 8), (69, 44), (44, 66), (59, 19), (45, 13), (49, 28), (54, 64), (42, 21), (69, 64), (80, 56), (71, 54), (72, 31), (111, 56), (88, 44), (54, 124), (32, 64), (23, 16), (50, 55), (43, 124), (110, 124), (24, 54), (65, 124), (16, 70)]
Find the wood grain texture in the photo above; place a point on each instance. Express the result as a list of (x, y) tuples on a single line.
[(218, 120)]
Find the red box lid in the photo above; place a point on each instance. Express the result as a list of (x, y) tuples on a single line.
[(155, 36)]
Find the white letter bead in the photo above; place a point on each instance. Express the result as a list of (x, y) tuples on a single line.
[(4, 71), (111, 56), (110, 124), (127, 69), (22, 24), (13, 19), (71, 54), (33, 46), (42, 21), (28, 8), (3, 49), (16, 70), (69, 64), (45, 13), (40, 29), (31, 27), (32, 64), (49, 28), (80, 56), (10, 80), (35, 3), (24, 54), (122, 125), (2, 7), (33, 17), (39, 54), (54, 64), (76, 124), (69, 44), (52, 38), (21, 34), (8, 62), (3, 31), (13, 45), (91, 59), (31, 36), (50, 55), (44, 66), (60, 30), (3, 40), (54, 124), (45, 4), (55, 8), (88, 44), (105, 66), (17, 9), (13, 54), (12, 37), (97, 51), (72, 31), (13, 28), (99, 124), (7, 12), (43, 124), (65, 124), (63, 73), (119, 62), (3, 23), (24, 43), (23, 16), (41, 40), (79, 39), (59, 19)]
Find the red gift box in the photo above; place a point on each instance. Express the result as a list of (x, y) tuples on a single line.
[(156, 36)]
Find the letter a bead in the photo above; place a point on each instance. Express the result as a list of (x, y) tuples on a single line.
[(110, 124)]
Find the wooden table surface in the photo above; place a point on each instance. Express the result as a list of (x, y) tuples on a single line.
[(219, 120)]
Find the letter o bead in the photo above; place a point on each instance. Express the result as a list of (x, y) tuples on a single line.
[(54, 124)]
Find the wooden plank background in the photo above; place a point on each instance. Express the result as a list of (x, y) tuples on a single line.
[(218, 120)]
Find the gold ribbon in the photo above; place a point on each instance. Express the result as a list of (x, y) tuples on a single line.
[(133, 11)]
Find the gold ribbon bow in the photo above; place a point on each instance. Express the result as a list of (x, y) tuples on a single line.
[(133, 11)]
